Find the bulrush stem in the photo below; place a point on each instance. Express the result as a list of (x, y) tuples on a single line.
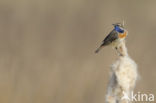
[(121, 49), (123, 77)]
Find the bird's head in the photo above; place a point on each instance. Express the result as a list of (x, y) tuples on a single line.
[(119, 27)]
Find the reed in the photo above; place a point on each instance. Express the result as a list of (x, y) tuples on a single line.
[(123, 76)]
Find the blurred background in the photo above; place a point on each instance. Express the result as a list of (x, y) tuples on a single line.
[(47, 48)]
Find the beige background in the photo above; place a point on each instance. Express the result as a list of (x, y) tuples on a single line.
[(47, 48)]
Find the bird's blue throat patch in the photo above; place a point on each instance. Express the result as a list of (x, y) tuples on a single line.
[(118, 29)]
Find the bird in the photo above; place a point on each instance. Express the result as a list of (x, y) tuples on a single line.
[(114, 37)]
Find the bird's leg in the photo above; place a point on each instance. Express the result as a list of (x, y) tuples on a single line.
[(116, 48), (119, 49)]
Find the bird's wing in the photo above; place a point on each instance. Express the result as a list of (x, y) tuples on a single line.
[(113, 35)]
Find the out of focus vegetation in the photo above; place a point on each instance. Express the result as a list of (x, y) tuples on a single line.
[(47, 48)]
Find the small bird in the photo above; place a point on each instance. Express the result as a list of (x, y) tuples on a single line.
[(114, 37)]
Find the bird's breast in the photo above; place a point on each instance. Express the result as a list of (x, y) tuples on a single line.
[(123, 35)]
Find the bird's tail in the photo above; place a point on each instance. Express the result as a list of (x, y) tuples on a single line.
[(98, 49)]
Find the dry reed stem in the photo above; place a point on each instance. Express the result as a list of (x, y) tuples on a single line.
[(123, 76)]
